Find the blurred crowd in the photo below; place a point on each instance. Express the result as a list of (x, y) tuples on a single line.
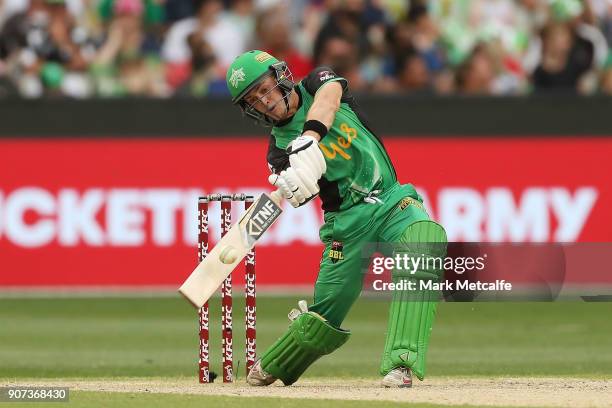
[(174, 48)]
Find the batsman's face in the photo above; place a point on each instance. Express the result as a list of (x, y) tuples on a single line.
[(267, 98)]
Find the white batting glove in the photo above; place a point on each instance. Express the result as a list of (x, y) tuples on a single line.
[(296, 185), (305, 154)]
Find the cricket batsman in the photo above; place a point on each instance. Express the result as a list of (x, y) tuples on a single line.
[(320, 144)]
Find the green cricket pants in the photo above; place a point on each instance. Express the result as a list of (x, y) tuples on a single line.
[(345, 233)]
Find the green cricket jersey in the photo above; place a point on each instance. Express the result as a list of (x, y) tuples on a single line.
[(357, 162)]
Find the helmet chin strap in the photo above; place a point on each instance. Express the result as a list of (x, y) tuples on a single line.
[(284, 79), (286, 96)]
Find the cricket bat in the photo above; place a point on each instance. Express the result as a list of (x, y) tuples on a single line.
[(208, 276)]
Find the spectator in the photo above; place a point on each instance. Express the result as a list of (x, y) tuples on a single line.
[(417, 49), (465, 23), (340, 54), (124, 65), (565, 58), (425, 37), (42, 40), (274, 35), (306, 20), (412, 73), (241, 15), (377, 63), (499, 47), (203, 80), (225, 39), (152, 11), (345, 20), (476, 75)]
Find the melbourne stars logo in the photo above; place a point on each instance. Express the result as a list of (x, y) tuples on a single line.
[(237, 76)]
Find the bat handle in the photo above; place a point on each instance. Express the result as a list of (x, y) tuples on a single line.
[(277, 197)]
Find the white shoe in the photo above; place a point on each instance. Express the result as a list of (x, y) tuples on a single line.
[(399, 377), (258, 377)]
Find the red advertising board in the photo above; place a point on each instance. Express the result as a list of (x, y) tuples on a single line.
[(123, 212)]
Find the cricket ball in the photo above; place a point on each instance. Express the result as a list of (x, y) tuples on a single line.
[(228, 255)]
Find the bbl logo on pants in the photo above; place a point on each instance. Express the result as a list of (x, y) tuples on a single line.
[(335, 253)]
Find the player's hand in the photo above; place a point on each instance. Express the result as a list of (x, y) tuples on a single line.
[(296, 185), (305, 155)]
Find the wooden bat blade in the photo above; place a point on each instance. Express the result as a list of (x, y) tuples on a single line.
[(242, 236)]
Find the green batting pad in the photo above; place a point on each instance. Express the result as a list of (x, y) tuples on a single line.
[(412, 312), (308, 338)]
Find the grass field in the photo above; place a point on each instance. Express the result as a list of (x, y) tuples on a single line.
[(129, 400), (96, 338)]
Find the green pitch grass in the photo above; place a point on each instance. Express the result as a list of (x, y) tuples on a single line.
[(157, 337), (130, 400)]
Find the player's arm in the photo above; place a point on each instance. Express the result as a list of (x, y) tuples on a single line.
[(305, 156), (326, 104), (299, 182)]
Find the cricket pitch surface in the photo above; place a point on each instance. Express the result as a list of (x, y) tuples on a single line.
[(515, 392)]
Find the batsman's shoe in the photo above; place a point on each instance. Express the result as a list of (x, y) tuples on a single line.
[(400, 377), (258, 377)]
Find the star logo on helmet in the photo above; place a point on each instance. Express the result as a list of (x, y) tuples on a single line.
[(236, 77)]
